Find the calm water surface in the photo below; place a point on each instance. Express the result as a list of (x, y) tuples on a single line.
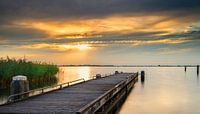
[(165, 90)]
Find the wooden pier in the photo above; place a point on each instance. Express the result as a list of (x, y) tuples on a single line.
[(94, 96)]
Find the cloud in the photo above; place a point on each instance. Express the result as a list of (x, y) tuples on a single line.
[(37, 21), (45, 9), (167, 51), (101, 31), (85, 46), (135, 43), (18, 34), (57, 47), (114, 26)]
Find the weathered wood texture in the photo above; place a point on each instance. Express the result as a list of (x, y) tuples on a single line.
[(68, 100)]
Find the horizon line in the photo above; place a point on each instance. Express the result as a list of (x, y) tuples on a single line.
[(96, 65)]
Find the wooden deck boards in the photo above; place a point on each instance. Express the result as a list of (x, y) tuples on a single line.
[(68, 100)]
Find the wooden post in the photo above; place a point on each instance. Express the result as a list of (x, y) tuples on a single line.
[(142, 76), (98, 76), (116, 72)]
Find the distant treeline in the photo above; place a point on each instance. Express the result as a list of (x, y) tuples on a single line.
[(39, 74)]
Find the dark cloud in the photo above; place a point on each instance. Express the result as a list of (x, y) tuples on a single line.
[(18, 33), (192, 35), (66, 9)]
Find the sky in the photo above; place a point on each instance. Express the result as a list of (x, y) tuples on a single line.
[(120, 32)]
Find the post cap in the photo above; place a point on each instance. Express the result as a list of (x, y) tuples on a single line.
[(19, 77)]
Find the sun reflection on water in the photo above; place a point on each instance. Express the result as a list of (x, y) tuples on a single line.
[(67, 74), (84, 72)]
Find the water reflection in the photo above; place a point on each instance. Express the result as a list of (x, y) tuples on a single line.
[(167, 91), (142, 83), (84, 72), (67, 74)]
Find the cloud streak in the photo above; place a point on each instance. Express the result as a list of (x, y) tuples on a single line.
[(81, 46)]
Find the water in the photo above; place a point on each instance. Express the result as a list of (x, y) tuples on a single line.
[(166, 90), (67, 74)]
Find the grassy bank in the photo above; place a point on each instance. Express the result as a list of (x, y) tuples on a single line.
[(39, 74)]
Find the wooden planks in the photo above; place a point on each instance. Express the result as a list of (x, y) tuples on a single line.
[(68, 100)]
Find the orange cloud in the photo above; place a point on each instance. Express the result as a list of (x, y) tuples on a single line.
[(115, 25)]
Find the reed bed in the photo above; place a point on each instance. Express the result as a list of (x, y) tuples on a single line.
[(39, 74)]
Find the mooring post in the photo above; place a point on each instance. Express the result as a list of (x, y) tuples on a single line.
[(116, 72), (98, 76), (142, 76), (198, 69), (19, 85), (185, 68)]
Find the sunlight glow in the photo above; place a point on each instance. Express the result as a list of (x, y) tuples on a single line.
[(79, 46), (59, 47)]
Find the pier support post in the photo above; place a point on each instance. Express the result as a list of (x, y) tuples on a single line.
[(185, 68), (19, 85), (142, 76), (197, 69)]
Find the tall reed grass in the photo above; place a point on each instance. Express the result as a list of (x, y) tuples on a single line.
[(39, 74)]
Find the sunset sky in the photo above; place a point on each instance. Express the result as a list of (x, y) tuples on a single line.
[(101, 31)]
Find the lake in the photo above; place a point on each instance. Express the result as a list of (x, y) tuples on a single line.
[(166, 90)]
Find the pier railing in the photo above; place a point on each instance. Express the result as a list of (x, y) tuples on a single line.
[(35, 92), (100, 101), (22, 96), (39, 91)]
